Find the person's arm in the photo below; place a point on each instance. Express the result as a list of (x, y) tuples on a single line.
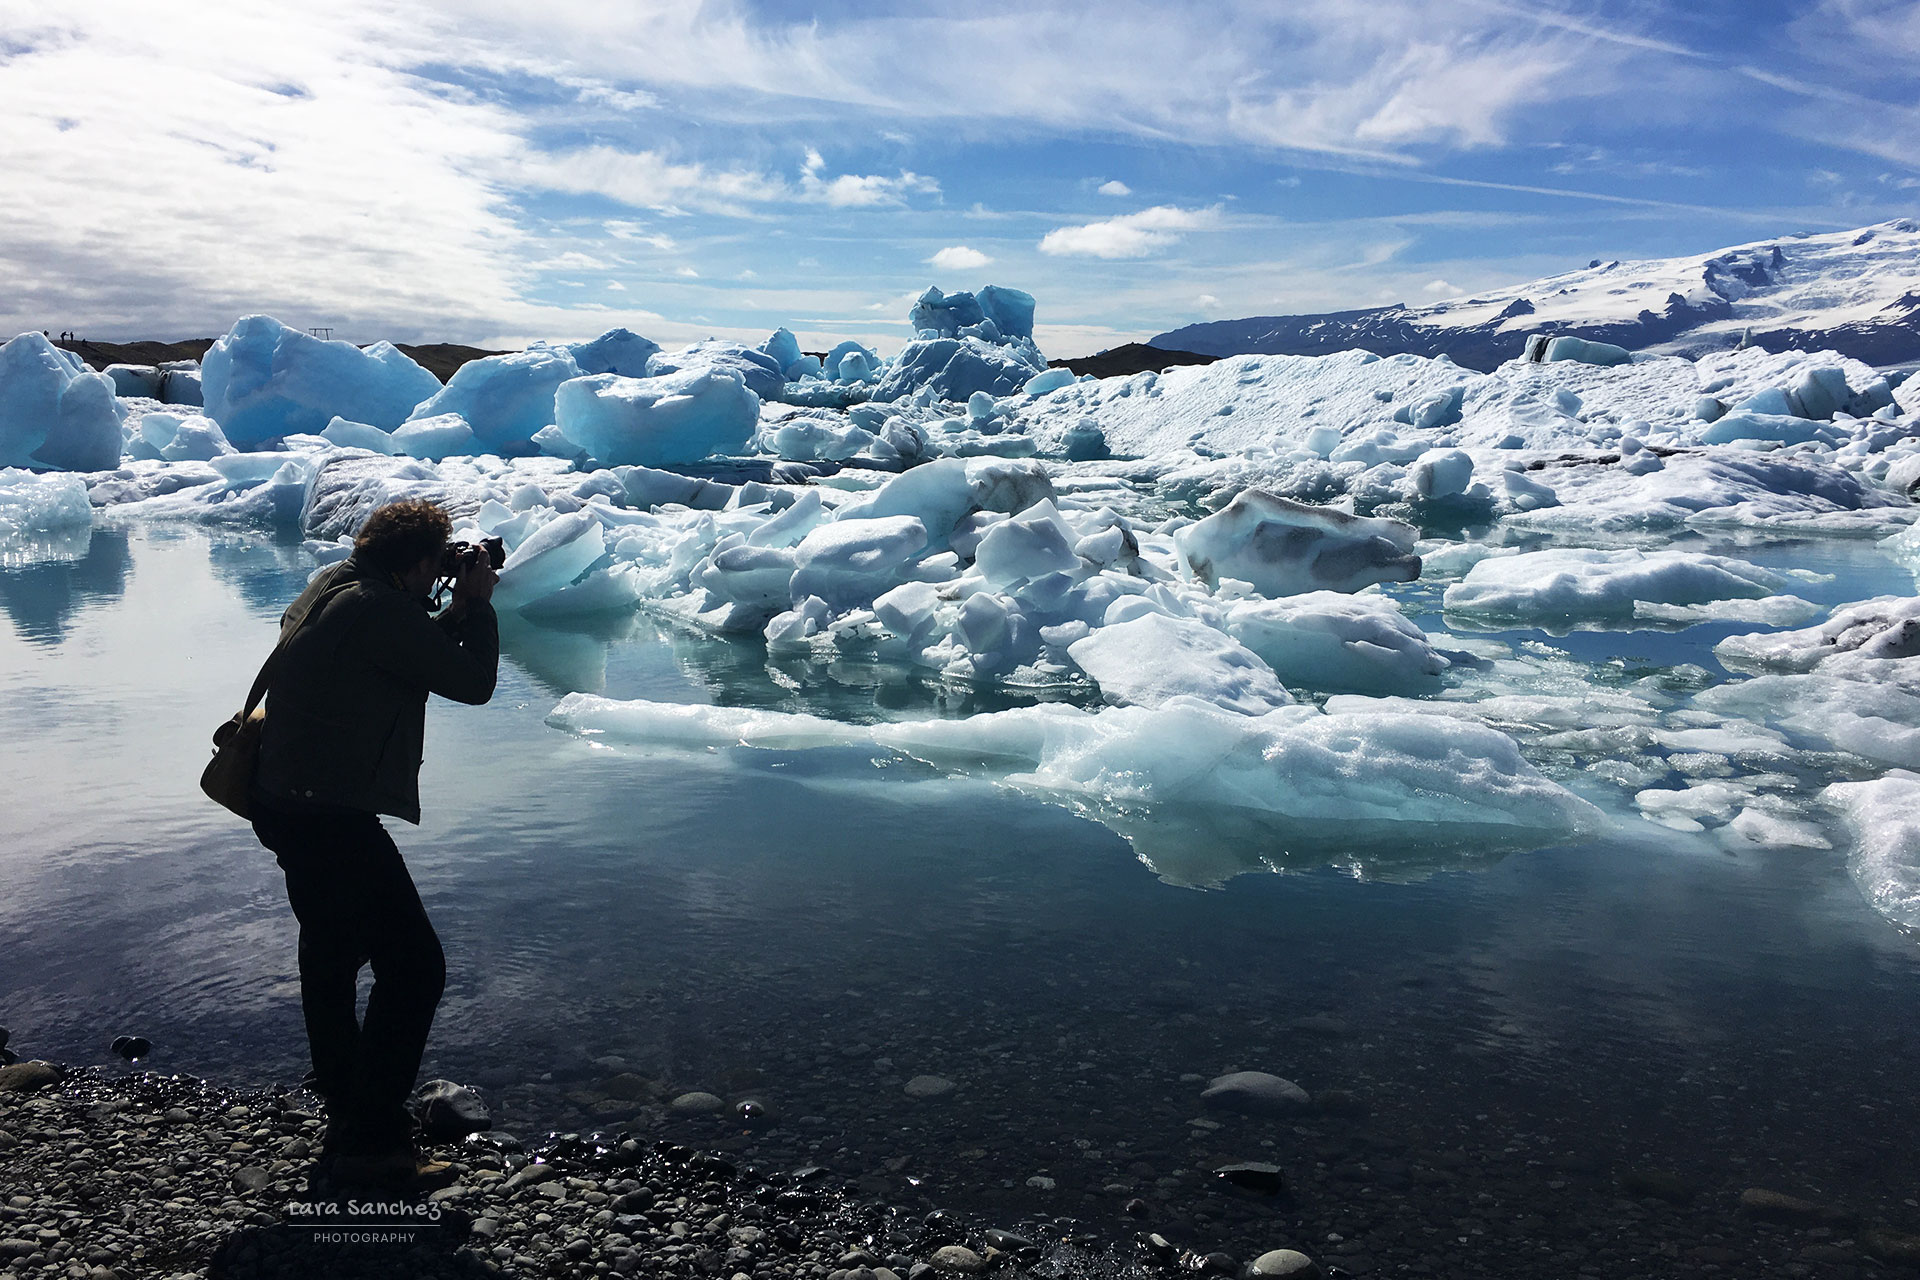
[(458, 660)]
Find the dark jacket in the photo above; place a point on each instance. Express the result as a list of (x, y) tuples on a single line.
[(346, 711)]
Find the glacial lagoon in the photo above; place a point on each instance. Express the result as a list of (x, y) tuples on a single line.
[(1510, 1042)]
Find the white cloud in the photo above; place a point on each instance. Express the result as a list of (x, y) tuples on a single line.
[(687, 273), (616, 286), (958, 257), (1207, 302), (1115, 188), (1133, 235), (1440, 288), (865, 190)]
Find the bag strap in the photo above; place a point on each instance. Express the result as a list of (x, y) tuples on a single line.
[(287, 633)]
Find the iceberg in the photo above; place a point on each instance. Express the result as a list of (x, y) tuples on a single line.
[(1338, 643), (1285, 548), (1577, 583), (505, 399), (39, 508), (955, 368), (551, 558), (1885, 817), (660, 420), (620, 351), (848, 562), (1856, 637), (53, 414), (1152, 659), (755, 369), (1179, 779), (445, 435), (263, 381)]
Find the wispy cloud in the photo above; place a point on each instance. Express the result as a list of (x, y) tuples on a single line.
[(1133, 235), (1115, 187)]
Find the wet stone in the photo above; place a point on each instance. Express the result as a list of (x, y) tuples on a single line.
[(958, 1259), (928, 1087), (1288, 1263)]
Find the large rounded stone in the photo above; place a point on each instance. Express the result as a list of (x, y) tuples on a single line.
[(1285, 1262), (957, 1258), (26, 1077), (698, 1104), (449, 1111), (1255, 1093), (928, 1086)]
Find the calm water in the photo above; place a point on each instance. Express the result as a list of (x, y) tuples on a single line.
[(813, 929)]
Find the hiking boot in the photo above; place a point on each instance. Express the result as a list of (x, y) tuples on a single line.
[(401, 1170)]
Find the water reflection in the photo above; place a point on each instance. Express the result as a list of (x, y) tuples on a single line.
[(41, 587)]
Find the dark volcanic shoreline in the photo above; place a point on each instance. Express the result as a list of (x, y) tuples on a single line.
[(114, 1177)]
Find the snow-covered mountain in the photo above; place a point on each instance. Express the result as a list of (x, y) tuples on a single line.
[(1856, 292)]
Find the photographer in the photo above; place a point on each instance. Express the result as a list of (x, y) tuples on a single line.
[(342, 745)]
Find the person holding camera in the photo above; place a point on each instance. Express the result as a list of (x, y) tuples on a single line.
[(342, 746)]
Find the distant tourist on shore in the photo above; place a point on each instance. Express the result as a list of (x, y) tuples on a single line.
[(342, 745)]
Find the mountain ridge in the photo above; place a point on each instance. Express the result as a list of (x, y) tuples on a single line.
[(1856, 292)]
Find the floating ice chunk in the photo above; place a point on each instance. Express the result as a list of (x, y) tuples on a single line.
[(1010, 310), (54, 415), (183, 438), (1568, 347), (782, 348), (620, 351), (797, 626), (1041, 383), (1683, 808), (609, 589), (551, 557), (1867, 718), (755, 576), (849, 562), (134, 380), (1333, 780), (945, 314), (1034, 543), (1772, 830), (41, 514), (360, 435), (1885, 817), (1441, 473), (247, 468), (1768, 611), (1525, 492), (1442, 409), (1327, 640), (804, 439), (1884, 628), (1152, 658), (955, 368), (1283, 547), (669, 418), (909, 611), (442, 436), (263, 381), (1576, 583), (755, 370), (504, 398), (1743, 424)]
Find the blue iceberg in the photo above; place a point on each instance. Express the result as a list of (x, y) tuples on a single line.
[(263, 381)]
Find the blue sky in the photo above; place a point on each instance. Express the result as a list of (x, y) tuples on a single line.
[(495, 172)]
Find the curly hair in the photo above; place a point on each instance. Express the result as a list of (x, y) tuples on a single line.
[(402, 534)]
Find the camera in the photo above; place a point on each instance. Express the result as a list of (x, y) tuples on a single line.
[(457, 556)]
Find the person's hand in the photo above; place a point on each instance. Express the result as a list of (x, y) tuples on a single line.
[(475, 581)]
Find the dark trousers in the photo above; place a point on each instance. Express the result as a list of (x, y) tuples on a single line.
[(357, 905)]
